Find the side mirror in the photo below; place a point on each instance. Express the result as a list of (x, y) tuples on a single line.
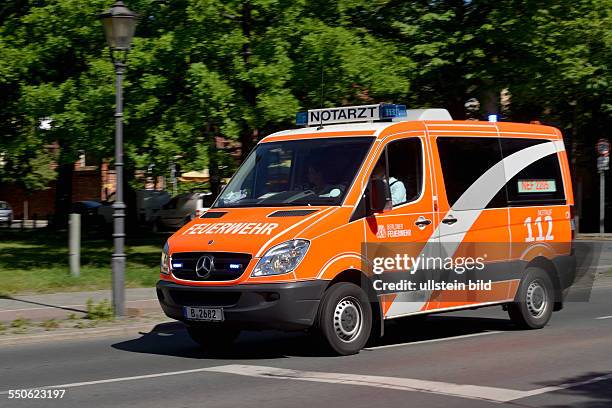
[(380, 196)]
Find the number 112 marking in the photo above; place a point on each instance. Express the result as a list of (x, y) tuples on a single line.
[(538, 222)]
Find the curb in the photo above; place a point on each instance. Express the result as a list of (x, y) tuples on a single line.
[(134, 308), (78, 334), (587, 236)]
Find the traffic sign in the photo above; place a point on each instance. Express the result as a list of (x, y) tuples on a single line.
[(603, 163), (603, 147)]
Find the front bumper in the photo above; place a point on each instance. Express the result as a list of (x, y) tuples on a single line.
[(283, 306)]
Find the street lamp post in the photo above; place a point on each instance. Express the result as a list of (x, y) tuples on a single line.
[(119, 26)]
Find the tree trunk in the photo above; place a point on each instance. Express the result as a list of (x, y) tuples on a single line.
[(213, 163), (248, 135), (63, 193)]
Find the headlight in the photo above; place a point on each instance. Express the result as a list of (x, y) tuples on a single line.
[(282, 258), (165, 260)]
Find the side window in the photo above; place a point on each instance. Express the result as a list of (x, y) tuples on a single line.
[(401, 164), (464, 160), (537, 184), (405, 162)]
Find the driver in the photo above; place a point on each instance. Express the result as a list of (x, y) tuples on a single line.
[(318, 181), (398, 190)]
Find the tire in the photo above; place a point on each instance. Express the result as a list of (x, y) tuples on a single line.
[(344, 318), (534, 301), (213, 338)]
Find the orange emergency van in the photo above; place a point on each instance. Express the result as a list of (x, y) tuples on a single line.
[(324, 227)]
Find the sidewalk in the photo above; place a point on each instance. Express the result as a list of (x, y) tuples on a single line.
[(594, 236), (61, 305)]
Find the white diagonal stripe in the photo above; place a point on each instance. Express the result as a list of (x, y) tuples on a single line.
[(471, 204)]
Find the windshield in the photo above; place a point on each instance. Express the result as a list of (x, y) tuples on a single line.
[(297, 172)]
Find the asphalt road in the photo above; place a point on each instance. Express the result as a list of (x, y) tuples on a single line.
[(463, 359)]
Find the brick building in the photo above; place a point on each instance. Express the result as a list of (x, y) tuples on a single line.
[(96, 183)]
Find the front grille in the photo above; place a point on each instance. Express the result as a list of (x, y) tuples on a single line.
[(203, 298), (227, 266)]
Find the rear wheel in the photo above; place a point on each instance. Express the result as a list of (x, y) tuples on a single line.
[(533, 305), (213, 338), (345, 318)]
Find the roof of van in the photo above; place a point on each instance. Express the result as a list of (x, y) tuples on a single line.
[(436, 128)]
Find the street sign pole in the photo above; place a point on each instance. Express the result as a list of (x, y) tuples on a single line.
[(603, 164), (602, 201)]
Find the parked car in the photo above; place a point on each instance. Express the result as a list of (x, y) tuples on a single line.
[(6, 213), (148, 204), (105, 211), (181, 209), (91, 217)]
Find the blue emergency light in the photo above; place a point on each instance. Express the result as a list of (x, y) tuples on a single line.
[(392, 111), (301, 118), (349, 114)]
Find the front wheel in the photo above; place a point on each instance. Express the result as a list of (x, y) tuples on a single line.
[(533, 305), (345, 318), (213, 338)]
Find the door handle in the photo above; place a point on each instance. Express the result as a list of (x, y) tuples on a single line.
[(422, 222), (450, 220)]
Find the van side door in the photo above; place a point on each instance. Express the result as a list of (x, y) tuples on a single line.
[(473, 215), (406, 227)]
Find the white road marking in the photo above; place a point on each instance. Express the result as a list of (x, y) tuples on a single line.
[(603, 317), (113, 380), (463, 336), (478, 392), (565, 386), (395, 383)]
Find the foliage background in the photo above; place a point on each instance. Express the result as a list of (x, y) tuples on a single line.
[(241, 69)]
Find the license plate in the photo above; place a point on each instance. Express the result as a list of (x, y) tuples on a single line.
[(203, 313)]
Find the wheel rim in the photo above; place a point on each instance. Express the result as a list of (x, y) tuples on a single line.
[(537, 299), (348, 319)]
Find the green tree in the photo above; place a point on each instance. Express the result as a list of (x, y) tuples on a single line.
[(238, 70)]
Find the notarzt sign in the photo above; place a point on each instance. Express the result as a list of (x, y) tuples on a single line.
[(344, 114), (347, 114)]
